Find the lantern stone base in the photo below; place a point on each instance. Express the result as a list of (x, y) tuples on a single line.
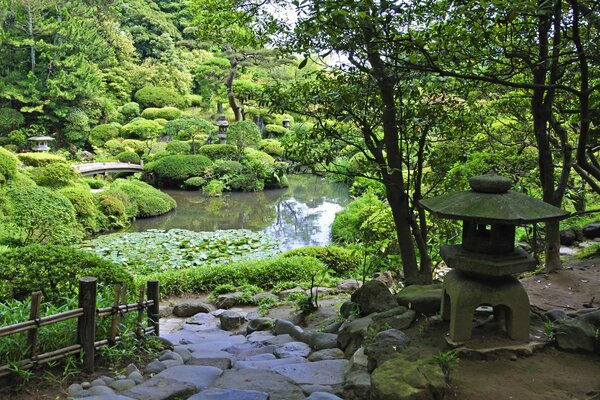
[(490, 265), (463, 293)]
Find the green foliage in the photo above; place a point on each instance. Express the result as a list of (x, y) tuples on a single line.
[(116, 207), (157, 96), (274, 130), (214, 188), (258, 157), (194, 183), (137, 146), (168, 113), (172, 171), (93, 183), (142, 129), (227, 168), (179, 147), (54, 270), (341, 260), (243, 134), (362, 185), (103, 133), (128, 157), (40, 215), (40, 159), (272, 147), (194, 100), (55, 175), (219, 151), (10, 119), (149, 201), (115, 146), (588, 252), (8, 165), (447, 360), (188, 127), (130, 110), (86, 211)]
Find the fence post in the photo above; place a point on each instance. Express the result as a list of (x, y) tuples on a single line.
[(34, 314), (86, 324), (153, 310)]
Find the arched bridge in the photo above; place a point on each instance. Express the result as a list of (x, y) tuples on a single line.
[(107, 167)]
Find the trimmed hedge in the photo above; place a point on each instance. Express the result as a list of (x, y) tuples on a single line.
[(174, 170), (219, 151), (194, 183), (142, 129), (264, 273), (150, 201), (55, 270), (130, 110), (116, 206), (167, 113), (186, 127), (178, 147), (129, 157), (272, 147), (86, 211), (40, 159), (274, 130), (8, 165), (55, 175), (339, 259), (158, 96), (103, 133)]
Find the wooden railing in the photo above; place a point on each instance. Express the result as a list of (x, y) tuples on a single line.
[(86, 316)]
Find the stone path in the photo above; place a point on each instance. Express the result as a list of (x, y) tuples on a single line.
[(209, 363)]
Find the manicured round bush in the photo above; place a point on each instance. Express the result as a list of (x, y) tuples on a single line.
[(55, 271), (187, 127), (194, 100), (178, 147), (114, 146), (86, 211), (116, 207), (161, 121), (142, 129), (172, 171), (167, 113), (55, 175), (103, 133), (150, 201), (274, 130), (219, 151), (130, 110), (272, 147), (194, 183), (8, 165), (137, 146), (257, 156), (243, 134), (339, 259), (94, 183), (129, 157), (40, 159), (158, 96), (10, 119)]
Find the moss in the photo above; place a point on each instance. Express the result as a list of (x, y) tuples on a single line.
[(399, 378)]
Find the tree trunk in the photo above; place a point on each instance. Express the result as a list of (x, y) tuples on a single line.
[(237, 112), (31, 37)]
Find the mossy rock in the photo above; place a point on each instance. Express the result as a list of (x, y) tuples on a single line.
[(400, 379), (425, 299)]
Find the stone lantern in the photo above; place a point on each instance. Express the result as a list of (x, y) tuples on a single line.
[(484, 264), (286, 122), (40, 143), (222, 126)]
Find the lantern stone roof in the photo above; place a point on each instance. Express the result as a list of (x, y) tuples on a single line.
[(491, 202), (40, 138)]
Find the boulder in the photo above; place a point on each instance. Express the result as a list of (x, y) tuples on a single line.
[(157, 388), (592, 317), (328, 372), (320, 340), (259, 324), (397, 318), (283, 326), (374, 296), (278, 387), (189, 309), (352, 333), (228, 300), (592, 230), (576, 335), (348, 285), (424, 299), (292, 349), (357, 385), (284, 294), (326, 354), (556, 314), (384, 346), (348, 308), (386, 278), (568, 237), (400, 379), (231, 320), (229, 394)]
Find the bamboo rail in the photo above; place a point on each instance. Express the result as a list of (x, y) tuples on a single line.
[(86, 315)]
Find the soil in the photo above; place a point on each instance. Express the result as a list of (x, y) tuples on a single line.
[(548, 374)]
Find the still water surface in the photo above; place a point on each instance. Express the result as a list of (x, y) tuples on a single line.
[(300, 215)]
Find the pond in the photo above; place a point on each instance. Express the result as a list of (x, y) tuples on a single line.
[(299, 215)]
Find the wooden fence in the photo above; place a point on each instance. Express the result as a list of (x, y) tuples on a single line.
[(86, 316)]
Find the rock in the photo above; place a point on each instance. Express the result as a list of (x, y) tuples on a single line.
[(169, 355), (293, 349), (556, 314), (333, 327), (319, 291), (172, 363), (184, 353), (348, 308), (155, 367), (101, 391), (284, 294), (400, 379), (221, 363), (279, 387), (575, 335), (98, 382), (329, 372), (386, 278), (384, 346), (259, 336), (86, 385), (357, 385), (87, 156), (198, 375), (189, 309), (322, 396), (131, 368), (592, 317), (260, 324), (231, 320), (107, 397), (359, 360), (228, 300), (397, 318), (327, 354), (319, 340), (160, 388), (424, 299), (229, 394), (280, 340), (591, 230), (136, 376), (568, 237), (76, 390), (352, 333), (348, 285), (268, 364), (123, 384), (283, 326), (373, 297)]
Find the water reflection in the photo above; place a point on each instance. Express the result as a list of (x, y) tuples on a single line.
[(300, 215)]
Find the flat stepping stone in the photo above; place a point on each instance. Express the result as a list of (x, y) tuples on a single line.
[(268, 364), (261, 357), (198, 375), (247, 350), (259, 336), (215, 345), (327, 354), (292, 349), (160, 388), (108, 397), (221, 363), (279, 387), (279, 340), (229, 394), (328, 372)]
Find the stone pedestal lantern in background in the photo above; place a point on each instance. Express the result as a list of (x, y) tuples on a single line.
[(484, 264), (40, 143), (222, 125)]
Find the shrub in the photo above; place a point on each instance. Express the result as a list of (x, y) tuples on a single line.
[(194, 183), (86, 211), (150, 201), (161, 121), (250, 181), (194, 100), (158, 96), (214, 188), (114, 146), (55, 175), (362, 185), (136, 146), (179, 147), (130, 110), (265, 273), (257, 156), (227, 167), (103, 133), (187, 127), (339, 259), (167, 113), (55, 270), (40, 215), (10, 119), (174, 170), (219, 151), (243, 134), (129, 157), (274, 130), (40, 159), (142, 129), (8, 165), (94, 183), (116, 207), (272, 147)]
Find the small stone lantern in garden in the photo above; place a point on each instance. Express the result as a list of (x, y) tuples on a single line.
[(484, 264), (286, 122), (222, 126), (40, 143)]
